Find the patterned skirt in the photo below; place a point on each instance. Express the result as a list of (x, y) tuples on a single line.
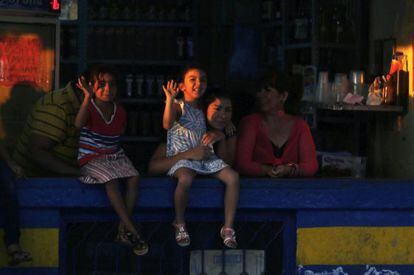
[(106, 168), (203, 167)]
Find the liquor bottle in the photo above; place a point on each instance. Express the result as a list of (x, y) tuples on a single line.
[(138, 15), (180, 45), (103, 10), (149, 84), (277, 14), (160, 81), (114, 10), (300, 22), (323, 30), (139, 81), (267, 6), (73, 41), (190, 47), (128, 81), (127, 12)]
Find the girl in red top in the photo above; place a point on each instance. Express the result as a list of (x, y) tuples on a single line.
[(102, 122), (272, 142)]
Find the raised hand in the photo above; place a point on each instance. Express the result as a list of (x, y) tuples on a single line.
[(85, 87), (172, 90)]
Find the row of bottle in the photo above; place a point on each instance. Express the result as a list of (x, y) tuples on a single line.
[(140, 10), (144, 86), (273, 47), (144, 123), (271, 10), (140, 43), (336, 21)]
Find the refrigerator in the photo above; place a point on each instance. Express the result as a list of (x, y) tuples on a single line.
[(29, 60)]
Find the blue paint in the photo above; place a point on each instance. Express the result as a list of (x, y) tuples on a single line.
[(295, 202), (28, 271), (208, 193), (321, 218)]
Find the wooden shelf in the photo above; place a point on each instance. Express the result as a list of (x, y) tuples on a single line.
[(160, 24), (154, 100), (141, 62), (362, 108)]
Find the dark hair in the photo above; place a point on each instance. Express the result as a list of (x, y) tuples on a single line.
[(212, 94), (283, 83), (187, 68), (93, 72)]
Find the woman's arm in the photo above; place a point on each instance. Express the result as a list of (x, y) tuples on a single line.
[(308, 163), (226, 149), (246, 142), (160, 163)]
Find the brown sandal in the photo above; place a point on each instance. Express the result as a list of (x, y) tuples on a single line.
[(229, 237)]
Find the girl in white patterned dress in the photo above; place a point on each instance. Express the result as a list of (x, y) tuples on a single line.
[(186, 125)]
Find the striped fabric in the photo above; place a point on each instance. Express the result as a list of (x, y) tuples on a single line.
[(100, 155), (107, 168), (185, 135), (99, 136), (52, 116)]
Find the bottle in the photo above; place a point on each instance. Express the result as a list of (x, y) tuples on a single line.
[(180, 45), (160, 81), (323, 30), (129, 81), (267, 6), (139, 81), (190, 47), (300, 22), (149, 81)]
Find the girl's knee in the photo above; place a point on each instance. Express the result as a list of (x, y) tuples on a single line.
[(133, 180), (232, 177), (185, 181)]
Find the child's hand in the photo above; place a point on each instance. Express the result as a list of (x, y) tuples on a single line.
[(199, 153), (212, 137), (172, 90), (230, 129), (86, 88)]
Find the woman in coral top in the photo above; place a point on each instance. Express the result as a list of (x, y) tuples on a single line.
[(273, 142)]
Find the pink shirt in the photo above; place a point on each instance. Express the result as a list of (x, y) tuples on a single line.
[(254, 147)]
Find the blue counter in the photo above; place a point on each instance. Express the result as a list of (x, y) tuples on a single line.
[(357, 226)]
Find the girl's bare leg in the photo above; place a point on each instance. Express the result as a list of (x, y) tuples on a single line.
[(185, 177), (231, 197), (115, 197)]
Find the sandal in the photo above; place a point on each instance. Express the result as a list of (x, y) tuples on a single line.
[(19, 256), (139, 246), (229, 237), (181, 235)]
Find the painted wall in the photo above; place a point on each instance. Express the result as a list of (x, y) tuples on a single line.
[(393, 142)]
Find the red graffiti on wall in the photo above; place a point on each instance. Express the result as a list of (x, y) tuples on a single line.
[(21, 60)]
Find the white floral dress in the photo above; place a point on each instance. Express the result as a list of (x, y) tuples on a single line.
[(185, 134)]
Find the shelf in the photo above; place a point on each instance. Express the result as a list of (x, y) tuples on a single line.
[(141, 100), (293, 46), (271, 24), (362, 108), (68, 22), (337, 46), (140, 24), (141, 62), (69, 61), (140, 139)]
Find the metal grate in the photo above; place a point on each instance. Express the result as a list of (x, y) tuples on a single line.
[(91, 249)]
